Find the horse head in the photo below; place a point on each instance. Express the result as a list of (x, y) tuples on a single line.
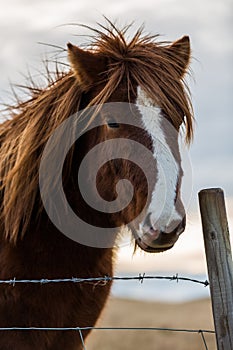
[(139, 89)]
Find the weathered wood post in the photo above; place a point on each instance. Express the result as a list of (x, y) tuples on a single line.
[(219, 262)]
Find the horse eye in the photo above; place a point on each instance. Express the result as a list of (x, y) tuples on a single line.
[(113, 124)]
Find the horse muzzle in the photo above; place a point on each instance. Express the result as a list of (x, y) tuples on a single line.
[(155, 241)]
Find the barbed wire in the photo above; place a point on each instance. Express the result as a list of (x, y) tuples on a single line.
[(104, 280), (182, 330), (81, 329)]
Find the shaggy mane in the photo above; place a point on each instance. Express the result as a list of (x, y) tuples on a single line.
[(24, 136)]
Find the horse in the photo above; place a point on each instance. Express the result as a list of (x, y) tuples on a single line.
[(142, 74)]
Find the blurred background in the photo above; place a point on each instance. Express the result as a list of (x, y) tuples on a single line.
[(24, 23)]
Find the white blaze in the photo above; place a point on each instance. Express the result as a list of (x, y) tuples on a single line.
[(162, 206)]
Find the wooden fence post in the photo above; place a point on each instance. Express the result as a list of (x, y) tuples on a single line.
[(219, 262)]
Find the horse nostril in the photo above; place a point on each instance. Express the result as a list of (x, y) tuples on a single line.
[(176, 227), (147, 221), (180, 228)]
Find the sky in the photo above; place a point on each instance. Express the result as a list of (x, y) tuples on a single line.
[(209, 23)]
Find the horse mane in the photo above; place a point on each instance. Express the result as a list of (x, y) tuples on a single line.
[(24, 136)]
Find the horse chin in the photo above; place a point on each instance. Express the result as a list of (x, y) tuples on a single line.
[(162, 242), (150, 249)]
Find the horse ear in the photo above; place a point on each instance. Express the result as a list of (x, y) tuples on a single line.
[(87, 66), (180, 53)]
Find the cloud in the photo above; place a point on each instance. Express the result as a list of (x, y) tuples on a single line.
[(209, 24)]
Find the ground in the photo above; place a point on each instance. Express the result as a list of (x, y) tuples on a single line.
[(128, 313)]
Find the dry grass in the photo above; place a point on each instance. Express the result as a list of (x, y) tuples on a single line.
[(128, 313)]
